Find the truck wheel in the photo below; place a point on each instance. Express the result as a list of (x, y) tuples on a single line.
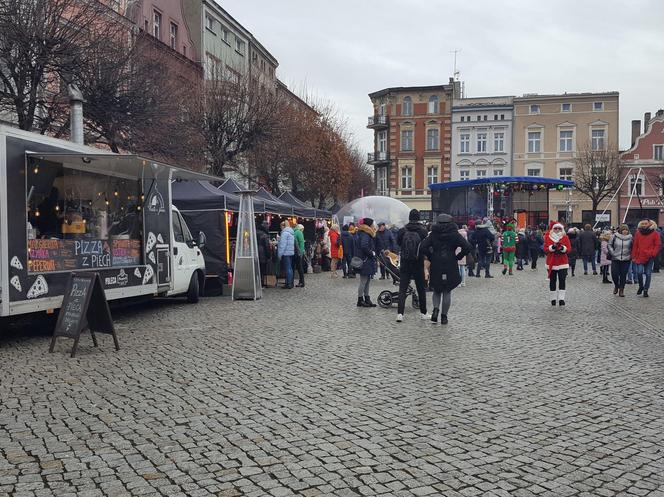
[(193, 292)]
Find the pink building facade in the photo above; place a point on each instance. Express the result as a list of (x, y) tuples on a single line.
[(642, 192)]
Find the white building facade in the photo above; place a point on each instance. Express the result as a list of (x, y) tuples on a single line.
[(482, 137)]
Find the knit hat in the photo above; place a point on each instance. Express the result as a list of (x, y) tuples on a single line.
[(368, 221), (624, 227), (444, 218), (414, 215)]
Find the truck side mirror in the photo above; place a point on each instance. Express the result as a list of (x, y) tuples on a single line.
[(201, 239)]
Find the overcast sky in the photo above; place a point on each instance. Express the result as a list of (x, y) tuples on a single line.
[(342, 50)]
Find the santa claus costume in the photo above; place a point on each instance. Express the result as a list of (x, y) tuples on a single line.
[(557, 246)]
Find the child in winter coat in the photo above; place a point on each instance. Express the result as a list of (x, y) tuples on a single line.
[(604, 256)]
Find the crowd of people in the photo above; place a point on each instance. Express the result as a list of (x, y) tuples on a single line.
[(440, 257)]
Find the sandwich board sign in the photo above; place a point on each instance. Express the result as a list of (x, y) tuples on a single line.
[(84, 307)]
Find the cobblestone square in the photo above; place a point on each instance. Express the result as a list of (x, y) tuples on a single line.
[(302, 393)]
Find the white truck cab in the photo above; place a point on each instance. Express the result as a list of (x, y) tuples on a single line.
[(187, 259)]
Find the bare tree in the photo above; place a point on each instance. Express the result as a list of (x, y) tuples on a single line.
[(597, 173), (42, 43), (232, 116)]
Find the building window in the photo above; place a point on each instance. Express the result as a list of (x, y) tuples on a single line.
[(481, 142), (534, 109), (407, 107), (481, 173), (239, 46), (209, 22), (406, 178), (534, 142), (534, 171), (485, 117), (658, 152), (499, 142), (465, 143), (432, 139), (468, 118), (433, 104), (565, 107), (497, 172), (502, 117), (156, 25), (381, 109), (382, 141), (381, 181), (432, 175), (566, 140), (495, 117), (635, 186), (225, 35), (598, 106), (407, 140), (479, 118), (566, 173), (463, 118), (174, 36), (597, 139), (464, 174)]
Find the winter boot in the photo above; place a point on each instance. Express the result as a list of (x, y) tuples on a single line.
[(561, 297), (504, 270), (645, 293), (368, 302), (615, 290), (554, 296), (621, 292), (434, 315), (360, 302), (443, 319)]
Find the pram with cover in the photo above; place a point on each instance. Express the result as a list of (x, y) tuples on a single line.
[(386, 298)]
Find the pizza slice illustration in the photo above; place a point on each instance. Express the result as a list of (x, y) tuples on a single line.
[(15, 263), (38, 289), (149, 273), (137, 273), (152, 258), (160, 238), (152, 241), (16, 283)]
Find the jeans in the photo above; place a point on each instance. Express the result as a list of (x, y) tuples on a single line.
[(363, 288), (442, 301), (619, 273), (462, 273), (586, 260), (412, 270), (484, 262), (534, 254), (646, 269), (298, 262), (287, 262)]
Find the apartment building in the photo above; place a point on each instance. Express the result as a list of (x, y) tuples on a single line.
[(548, 132), (481, 137), (642, 168), (412, 141)]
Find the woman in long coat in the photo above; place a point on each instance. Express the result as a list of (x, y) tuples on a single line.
[(440, 247)]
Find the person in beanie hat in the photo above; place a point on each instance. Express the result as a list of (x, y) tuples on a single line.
[(620, 248), (557, 246), (411, 263), (365, 249), (509, 248)]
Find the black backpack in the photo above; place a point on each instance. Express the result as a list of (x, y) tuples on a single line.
[(410, 245)]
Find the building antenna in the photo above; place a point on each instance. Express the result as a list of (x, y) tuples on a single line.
[(456, 73)]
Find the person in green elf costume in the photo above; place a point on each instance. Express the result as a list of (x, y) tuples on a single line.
[(509, 248)]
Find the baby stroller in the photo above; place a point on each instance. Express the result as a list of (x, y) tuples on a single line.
[(386, 298)]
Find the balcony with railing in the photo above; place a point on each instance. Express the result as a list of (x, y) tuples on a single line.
[(378, 157), (378, 122)]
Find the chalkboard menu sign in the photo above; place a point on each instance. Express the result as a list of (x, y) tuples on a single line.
[(84, 307), (48, 255)]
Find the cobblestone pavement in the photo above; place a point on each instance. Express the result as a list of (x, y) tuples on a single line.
[(304, 394)]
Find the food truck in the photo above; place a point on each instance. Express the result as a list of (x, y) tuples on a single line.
[(69, 208)]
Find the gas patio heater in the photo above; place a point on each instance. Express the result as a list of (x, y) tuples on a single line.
[(246, 273)]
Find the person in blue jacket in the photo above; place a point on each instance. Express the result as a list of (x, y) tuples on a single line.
[(347, 245), (286, 251), (365, 249)]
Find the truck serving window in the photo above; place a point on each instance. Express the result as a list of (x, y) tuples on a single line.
[(79, 219)]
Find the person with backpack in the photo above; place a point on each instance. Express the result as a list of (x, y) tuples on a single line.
[(335, 243), (299, 259), (411, 263), (445, 246)]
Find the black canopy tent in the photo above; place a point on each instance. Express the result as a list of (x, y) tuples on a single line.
[(300, 206), (264, 202)]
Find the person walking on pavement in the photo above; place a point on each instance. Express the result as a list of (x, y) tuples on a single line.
[(573, 235), (411, 264), (463, 261), (299, 258), (473, 252), (521, 249), (286, 251), (620, 248), (484, 240), (365, 249), (557, 246), (605, 256), (347, 248), (264, 249), (335, 243), (384, 241), (587, 241), (535, 242), (509, 248), (444, 247), (645, 248)]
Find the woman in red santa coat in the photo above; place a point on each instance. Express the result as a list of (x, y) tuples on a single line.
[(557, 246)]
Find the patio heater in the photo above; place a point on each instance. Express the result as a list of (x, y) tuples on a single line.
[(246, 272)]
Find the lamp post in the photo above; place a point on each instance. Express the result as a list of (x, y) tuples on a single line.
[(246, 275)]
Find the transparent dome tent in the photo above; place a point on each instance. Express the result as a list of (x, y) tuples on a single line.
[(386, 210)]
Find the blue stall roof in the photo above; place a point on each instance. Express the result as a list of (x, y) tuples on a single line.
[(535, 180)]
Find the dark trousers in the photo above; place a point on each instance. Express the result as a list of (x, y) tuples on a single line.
[(619, 271), (412, 270), (560, 276), (484, 262), (586, 260), (298, 264), (534, 255), (345, 265)]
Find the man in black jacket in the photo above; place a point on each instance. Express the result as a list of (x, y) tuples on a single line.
[(264, 249), (587, 242), (384, 241), (411, 263)]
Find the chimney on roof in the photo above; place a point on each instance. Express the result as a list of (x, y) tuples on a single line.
[(636, 130), (646, 120)]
